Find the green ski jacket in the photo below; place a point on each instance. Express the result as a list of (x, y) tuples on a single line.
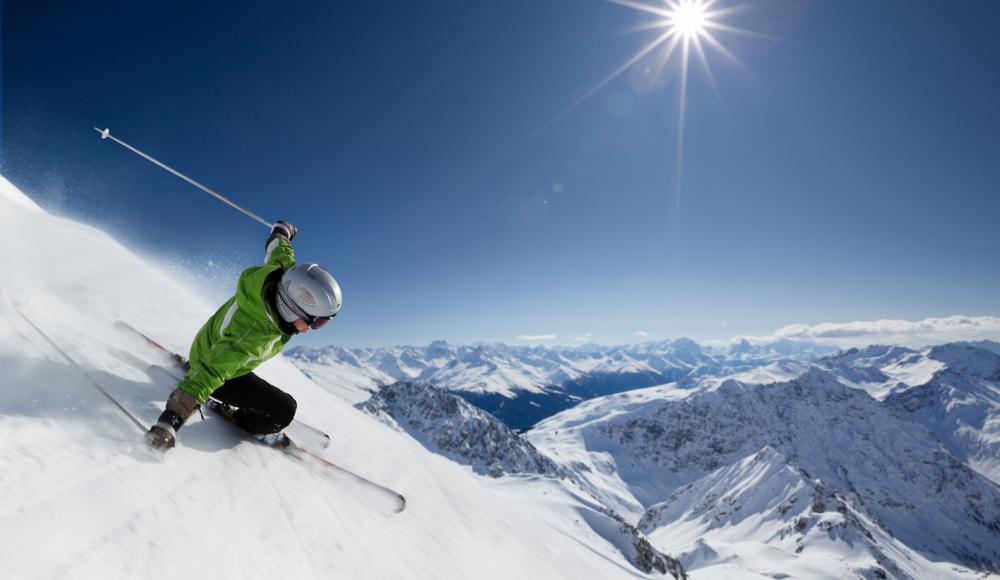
[(243, 332)]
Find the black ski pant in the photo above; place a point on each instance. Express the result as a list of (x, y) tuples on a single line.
[(262, 407)]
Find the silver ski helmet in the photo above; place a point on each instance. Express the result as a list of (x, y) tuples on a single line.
[(309, 292)]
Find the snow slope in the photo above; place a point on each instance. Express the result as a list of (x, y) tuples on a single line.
[(642, 452), (762, 516), (82, 498)]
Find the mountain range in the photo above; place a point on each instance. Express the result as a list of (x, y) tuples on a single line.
[(873, 462), (522, 385)]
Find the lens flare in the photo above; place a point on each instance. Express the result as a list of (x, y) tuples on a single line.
[(682, 28), (685, 28)]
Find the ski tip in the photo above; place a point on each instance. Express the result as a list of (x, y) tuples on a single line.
[(402, 504), (286, 444)]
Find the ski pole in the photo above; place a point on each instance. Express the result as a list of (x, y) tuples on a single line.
[(106, 134), (86, 375)]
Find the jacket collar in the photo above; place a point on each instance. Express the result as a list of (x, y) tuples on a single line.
[(269, 292)]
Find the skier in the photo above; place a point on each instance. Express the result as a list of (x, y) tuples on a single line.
[(273, 302)]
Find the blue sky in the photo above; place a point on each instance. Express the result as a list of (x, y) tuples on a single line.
[(848, 173)]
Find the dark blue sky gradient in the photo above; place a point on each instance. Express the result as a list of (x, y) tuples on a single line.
[(850, 174)]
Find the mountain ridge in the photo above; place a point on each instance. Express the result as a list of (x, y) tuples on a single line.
[(664, 438), (522, 385)]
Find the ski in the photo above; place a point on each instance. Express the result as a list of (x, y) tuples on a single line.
[(291, 446), (293, 449), (398, 497), (303, 430)]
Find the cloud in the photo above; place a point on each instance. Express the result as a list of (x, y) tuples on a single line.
[(914, 332), (641, 334), (586, 337), (536, 337)]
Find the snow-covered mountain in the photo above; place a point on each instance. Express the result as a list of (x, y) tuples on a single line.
[(449, 426), (507, 370), (524, 384), (810, 530), (953, 390), (83, 499), (667, 456)]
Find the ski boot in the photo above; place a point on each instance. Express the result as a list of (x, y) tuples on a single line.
[(226, 410), (277, 440)]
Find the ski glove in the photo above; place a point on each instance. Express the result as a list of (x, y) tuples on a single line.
[(180, 406), (160, 438), (282, 229)]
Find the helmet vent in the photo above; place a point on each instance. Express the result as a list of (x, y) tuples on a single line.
[(305, 297)]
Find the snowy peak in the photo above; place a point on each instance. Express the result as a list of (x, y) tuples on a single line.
[(960, 404), (741, 348), (439, 348), (873, 355), (989, 345), (770, 351), (761, 486), (887, 467), (686, 350), (883, 369), (953, 390), (764, 498), (449, 426), (969, 360)]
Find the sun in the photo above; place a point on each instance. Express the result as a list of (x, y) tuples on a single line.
[(688, 18), (685, 28)]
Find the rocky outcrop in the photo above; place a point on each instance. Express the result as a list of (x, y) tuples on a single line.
[(449, 426)]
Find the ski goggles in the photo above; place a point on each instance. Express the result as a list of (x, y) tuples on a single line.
[(320, 322)]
